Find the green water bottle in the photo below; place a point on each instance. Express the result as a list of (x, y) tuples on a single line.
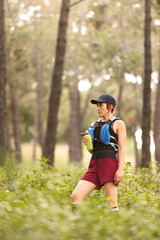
[(89, 145)]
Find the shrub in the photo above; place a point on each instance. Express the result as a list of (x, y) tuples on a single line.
[(35, 204)]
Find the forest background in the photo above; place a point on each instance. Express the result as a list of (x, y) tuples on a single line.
[(112, 47), (105, 54)]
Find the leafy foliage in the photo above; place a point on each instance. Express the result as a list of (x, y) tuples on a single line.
[(105, 39), (35, 204)]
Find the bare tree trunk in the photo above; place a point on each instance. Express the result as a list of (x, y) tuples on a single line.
[(137, 123), (119, 101), (146, 118), (157, 119), (35, 133), (4, 135), (38, 122), (16, 124), (84, 109), (39, 80), (75, 146), (56, 87), (137, 155)]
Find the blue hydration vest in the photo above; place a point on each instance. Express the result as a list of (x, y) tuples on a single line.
[(105, 136)]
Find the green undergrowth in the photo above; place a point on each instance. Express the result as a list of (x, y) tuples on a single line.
[(35, 204)]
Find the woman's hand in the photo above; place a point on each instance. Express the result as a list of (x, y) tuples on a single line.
[(85, 140), (118, 176)]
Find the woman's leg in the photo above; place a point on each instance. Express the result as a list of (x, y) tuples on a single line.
[(82, 190), (111, 191)]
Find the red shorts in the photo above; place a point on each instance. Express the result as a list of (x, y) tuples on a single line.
[(100, 171)]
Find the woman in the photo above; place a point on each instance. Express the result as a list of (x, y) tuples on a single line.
[(106, 165)]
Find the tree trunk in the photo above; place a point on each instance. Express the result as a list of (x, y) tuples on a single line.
[(137, 123), (146, 118), (137, 158), (157, 119), (4, 135), (16, 124), (38, 125), (56, 87), (35, 133), (84, 109), (39, 80), (119, 99), (75, 146)]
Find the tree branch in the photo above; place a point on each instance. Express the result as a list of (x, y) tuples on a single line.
[(73, 4)]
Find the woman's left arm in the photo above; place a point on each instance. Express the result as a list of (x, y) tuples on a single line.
[(121, 132)]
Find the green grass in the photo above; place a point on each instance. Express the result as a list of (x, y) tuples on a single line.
[(35, 204)]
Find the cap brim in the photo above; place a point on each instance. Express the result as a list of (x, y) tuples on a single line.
[(95, 101)]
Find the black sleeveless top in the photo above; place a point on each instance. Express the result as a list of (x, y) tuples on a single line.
[(101, 150)]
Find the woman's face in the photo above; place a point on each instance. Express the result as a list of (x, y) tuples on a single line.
[(102, 109)]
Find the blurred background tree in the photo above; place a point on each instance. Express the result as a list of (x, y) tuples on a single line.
[(146, 119), (4, 135), (105, 54), (157, 98)]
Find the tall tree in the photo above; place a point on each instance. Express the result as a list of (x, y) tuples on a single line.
[(39, 80), (119, 100), (75, 149), (146, 118), (56, 86), (16, 122), (38, 119), (157, 120), (157, 106), (4, 135)]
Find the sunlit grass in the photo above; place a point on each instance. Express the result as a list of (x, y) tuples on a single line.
[(62, 155), (129, 151)]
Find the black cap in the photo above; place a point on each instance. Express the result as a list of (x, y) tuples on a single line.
[(105, 98)]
